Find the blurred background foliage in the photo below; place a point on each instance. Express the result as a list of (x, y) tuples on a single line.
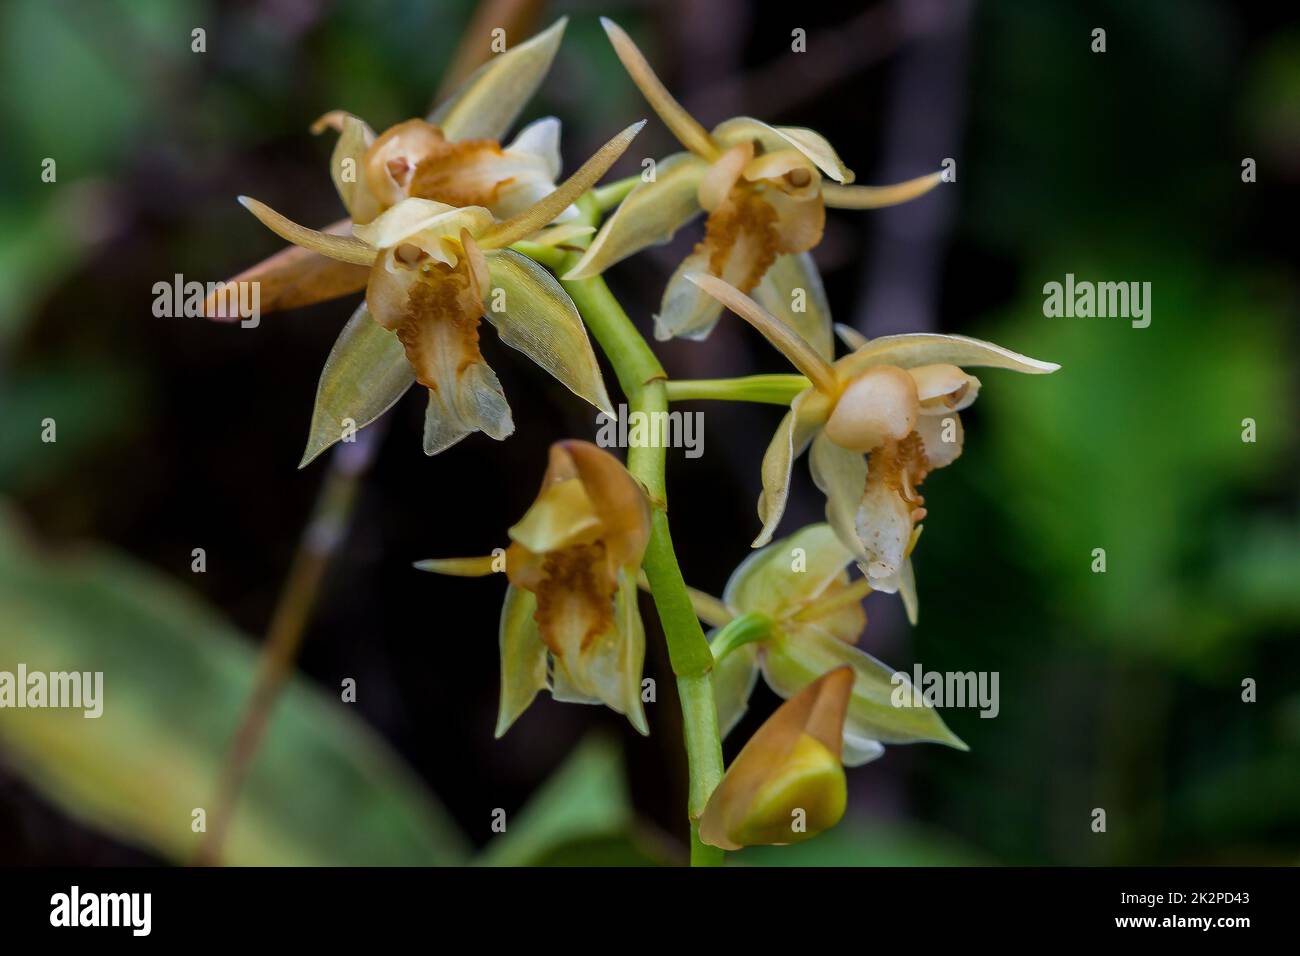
[(1119, 690)]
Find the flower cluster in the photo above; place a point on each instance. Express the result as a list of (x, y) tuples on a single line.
[(447, 226)]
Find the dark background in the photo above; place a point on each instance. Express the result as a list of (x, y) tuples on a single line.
[(1120, 691)]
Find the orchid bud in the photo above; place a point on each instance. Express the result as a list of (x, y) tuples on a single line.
[(787, 784)]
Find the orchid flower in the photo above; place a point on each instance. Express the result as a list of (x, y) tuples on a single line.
[(786, 785), (765, 193), (434, 270), (879, 420), (811, 618), (452, 159), (570, 620)]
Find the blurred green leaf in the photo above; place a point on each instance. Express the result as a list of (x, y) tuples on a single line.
[(585, 804), (324, 789)]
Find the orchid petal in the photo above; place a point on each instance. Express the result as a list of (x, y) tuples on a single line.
[(774, 138), (542, 139), (292, 277), (927, 348), (355, 137), (877, 197), (539, 319), (808, 412), (682, 124), (841, 475), (523, 657), (791, 274), (491, 98), (650, 215), (734, 678), (412, 218), (544, 212), (342, 248), (873, 718), (686, 310), (476, 403), (767, 582), (851, 337), (788, 342), (364, 376)]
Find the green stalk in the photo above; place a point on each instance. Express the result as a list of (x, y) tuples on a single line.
[(771, 389), (642, 379)]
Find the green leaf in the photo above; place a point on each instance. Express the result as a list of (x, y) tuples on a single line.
[(586, 799), (324, 789)]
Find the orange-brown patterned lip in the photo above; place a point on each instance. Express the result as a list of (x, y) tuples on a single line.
[(576, 585), (447, 296), (742, 217)]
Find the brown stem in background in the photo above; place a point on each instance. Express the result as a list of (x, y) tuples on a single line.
[(325, 532)]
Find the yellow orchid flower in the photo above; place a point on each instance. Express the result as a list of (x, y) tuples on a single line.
[(879, 419), (797, 616), (786, 785), (765, 193), (452, 157), (433, 271), (570, 620)]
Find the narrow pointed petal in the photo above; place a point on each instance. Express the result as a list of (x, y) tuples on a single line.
[(808, 412), (538, 318), (880, 709), (794, 280), (347, 164), (876, 197), (293, 277), (773, 138), (476, 567), (650, 215), (734, 678), (788, 342), (851, 337), (364, 376), (791, 764), (489, 101), (682, 124), (342, 248), (523, 657), (543, 213), (928, 348), (841, 475)]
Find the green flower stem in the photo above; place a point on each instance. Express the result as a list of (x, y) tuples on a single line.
[(744, 629), (771, 389), (642, 380)]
